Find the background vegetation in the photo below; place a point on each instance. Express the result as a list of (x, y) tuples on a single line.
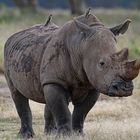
[(93, 3), (11, 21)]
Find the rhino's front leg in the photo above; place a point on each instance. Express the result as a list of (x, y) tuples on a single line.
[(49, 121), (81, 110), (57, 102)]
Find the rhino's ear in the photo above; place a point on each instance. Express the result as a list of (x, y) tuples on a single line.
[(82, 27), (121, 29)]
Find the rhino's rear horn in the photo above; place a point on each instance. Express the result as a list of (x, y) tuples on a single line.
[(121, 55)]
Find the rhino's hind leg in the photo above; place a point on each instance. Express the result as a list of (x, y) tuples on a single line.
[(24, 112), (50, 126), (81, 110)]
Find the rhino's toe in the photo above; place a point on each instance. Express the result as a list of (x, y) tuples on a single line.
[(26, 133)]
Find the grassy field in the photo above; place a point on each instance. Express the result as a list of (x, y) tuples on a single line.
[(111, 118)]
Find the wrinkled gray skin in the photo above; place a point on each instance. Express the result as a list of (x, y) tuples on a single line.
[(54, 65)]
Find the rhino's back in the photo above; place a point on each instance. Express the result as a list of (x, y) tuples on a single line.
[(22, 58)]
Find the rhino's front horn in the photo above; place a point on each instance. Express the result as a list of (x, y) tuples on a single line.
[(132, 69), (137, 64)]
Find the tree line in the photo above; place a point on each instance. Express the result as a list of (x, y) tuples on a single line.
[(76, 6)]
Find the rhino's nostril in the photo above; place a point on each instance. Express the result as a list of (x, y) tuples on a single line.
[(129, 85), (115, 86)]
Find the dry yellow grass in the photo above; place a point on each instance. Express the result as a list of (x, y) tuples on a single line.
[(110, 119)]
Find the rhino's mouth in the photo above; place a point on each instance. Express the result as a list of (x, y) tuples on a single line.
[(121, 88)]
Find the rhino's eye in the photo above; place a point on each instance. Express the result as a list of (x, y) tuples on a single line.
[(102, 63)]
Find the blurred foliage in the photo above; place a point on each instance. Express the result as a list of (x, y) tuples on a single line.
[(115, 3), (92, 3), (26, 5), (12, 21)]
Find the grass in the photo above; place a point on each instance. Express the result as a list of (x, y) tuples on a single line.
[(114, 119), (111, 118)]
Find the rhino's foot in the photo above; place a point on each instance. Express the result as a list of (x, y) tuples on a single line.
[(50, 130), (64, 130), (26, 133), (78, 132)]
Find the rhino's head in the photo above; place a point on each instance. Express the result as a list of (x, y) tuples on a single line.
[(108, 71)]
